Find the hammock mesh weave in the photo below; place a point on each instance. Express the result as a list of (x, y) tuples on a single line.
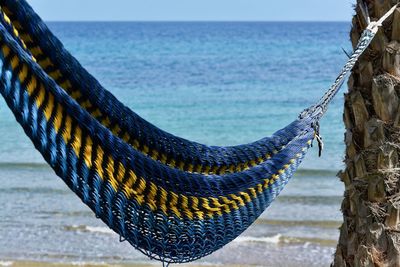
[(173, 199)]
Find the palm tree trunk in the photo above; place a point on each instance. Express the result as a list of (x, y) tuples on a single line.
[(370, 234)]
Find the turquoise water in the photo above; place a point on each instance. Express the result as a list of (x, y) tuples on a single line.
[(215, 83)]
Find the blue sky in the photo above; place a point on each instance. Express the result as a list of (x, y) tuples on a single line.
[(194, 10)]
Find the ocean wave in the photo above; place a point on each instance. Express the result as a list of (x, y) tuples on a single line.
[(308, 223), (249, 239), (89, 229), (34, 190), (6, 263), (310, 200), (79, 213), (307, 241), (317, 172), (280, 239), (101, 230), (84, 263), (19, 165)]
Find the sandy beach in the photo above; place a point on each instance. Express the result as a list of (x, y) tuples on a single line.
[(46, 264)]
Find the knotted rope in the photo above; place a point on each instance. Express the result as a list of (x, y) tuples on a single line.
[(319, 109)]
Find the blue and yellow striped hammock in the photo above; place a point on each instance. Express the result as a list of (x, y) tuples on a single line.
[(173, 199)]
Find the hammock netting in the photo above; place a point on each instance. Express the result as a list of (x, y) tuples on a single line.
[(173, 199)]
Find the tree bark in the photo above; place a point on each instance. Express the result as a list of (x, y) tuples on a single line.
[(370, 233)]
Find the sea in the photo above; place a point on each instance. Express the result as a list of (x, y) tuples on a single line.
[(218, 83)]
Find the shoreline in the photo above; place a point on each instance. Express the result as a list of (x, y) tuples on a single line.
[(94, 264), (10, 263)]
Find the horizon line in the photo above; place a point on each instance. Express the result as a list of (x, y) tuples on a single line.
[(201, 21)]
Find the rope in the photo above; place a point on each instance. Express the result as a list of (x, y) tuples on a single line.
[(319, 109)]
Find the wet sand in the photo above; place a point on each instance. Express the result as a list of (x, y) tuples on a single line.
[(49, 264)]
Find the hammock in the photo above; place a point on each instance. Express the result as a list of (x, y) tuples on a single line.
[(173, 199)]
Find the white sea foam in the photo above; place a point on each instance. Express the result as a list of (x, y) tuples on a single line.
[(84, 263), (91, 229), (270, 239), (102, 230), (6, 263)]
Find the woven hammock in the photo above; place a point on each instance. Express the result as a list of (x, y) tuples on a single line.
[(173, 199)]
